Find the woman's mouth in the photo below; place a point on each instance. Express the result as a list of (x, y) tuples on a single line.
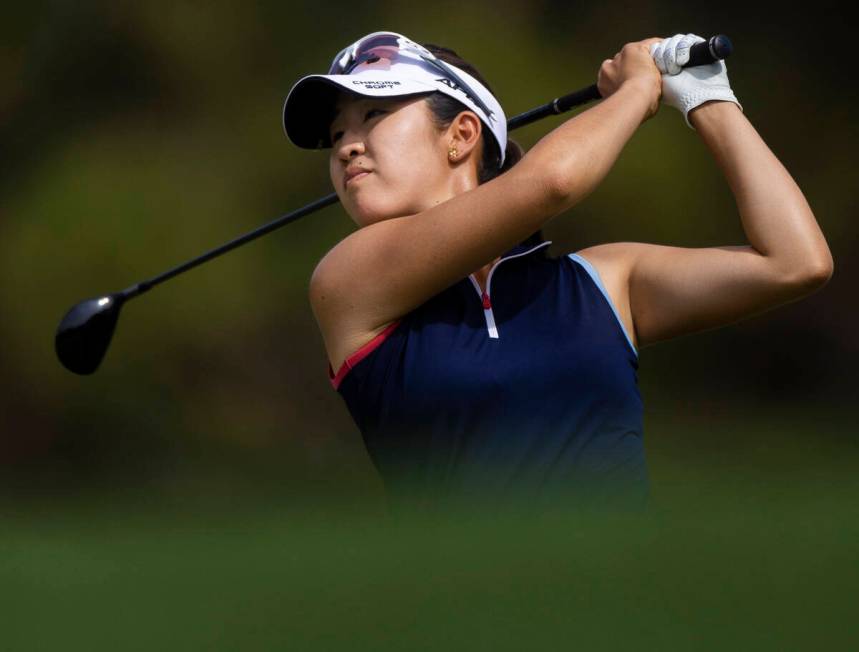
[(355, 178)]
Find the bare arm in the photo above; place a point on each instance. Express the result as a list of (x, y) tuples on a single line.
[(675, 290), (775, 214)]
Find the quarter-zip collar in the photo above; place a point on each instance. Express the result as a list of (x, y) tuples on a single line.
[(521, 248), (515, 252)]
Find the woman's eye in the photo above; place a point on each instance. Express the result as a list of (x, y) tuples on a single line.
[(337, 135)]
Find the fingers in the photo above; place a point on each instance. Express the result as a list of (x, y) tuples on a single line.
[(656, 53), (681, 55), (671, 54)]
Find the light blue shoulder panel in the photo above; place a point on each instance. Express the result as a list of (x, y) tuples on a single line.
[(590, 269)]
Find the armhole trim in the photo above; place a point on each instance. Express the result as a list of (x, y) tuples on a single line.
[(594, 274), (359, 355)]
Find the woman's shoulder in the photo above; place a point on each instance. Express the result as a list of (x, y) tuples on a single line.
[(612, 259), (610, 263)]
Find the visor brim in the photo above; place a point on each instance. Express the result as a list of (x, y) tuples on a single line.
[(309, 107)]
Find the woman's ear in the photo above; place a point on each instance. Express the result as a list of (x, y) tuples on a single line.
[(464, 133)]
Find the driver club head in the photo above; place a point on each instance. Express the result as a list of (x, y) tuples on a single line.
[(85, 332)]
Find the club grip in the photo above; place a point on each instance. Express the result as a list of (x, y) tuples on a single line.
[(709, 51)]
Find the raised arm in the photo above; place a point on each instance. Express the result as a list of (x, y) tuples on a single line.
[(776, 217), (675, 290), (386, 269)]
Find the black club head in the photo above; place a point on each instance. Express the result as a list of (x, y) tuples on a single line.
[(85, 332)]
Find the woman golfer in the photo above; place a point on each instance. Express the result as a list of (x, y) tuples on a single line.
[(474, 365)]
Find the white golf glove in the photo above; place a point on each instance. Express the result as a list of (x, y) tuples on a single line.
[(686, 88)]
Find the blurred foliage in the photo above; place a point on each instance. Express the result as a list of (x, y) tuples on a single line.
[(137, 135)]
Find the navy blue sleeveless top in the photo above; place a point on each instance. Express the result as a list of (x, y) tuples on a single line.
[(522, 391)]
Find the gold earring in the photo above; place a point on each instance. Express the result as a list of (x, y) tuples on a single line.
[(452, 152)]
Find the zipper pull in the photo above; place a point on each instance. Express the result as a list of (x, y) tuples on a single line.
[(486, 304)]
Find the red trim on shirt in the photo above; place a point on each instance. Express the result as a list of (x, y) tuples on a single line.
[(359, 355)]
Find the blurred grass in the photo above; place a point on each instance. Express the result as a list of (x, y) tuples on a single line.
[(746, 546), (778, 578)]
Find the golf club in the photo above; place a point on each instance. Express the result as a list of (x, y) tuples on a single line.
[(84, 333)]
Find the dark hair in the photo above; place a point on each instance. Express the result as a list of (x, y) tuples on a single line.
[(444, 109)]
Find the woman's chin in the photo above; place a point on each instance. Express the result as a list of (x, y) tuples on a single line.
[(365, 214)]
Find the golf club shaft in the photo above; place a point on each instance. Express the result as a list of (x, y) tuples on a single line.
[(143, 286), (708, 51)]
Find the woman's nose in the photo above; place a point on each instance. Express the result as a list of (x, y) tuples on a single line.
[(350, 146)]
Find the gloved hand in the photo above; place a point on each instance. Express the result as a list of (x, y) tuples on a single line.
[(686, 88)]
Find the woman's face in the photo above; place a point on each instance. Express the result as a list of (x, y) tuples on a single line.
[(396, 141)]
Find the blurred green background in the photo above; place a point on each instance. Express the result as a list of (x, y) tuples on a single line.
[(206, 488)]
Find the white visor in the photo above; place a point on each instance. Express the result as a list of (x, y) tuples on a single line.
[(309, 107)]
